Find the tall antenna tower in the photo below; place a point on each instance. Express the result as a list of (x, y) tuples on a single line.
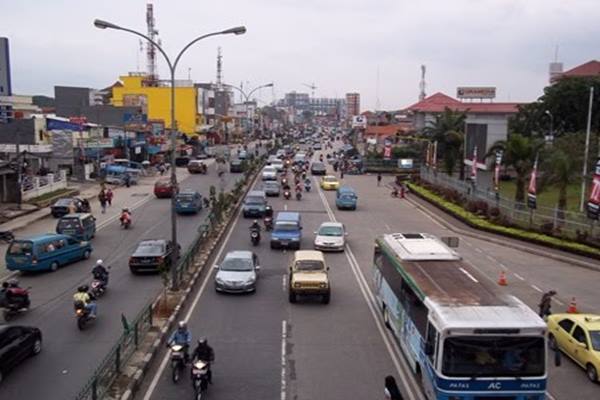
[(422, 84), (219, 69), (150, 50)]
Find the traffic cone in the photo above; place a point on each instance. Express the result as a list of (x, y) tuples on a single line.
[(572, 307), (502, 279)]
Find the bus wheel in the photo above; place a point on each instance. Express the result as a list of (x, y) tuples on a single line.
[(386, 317)]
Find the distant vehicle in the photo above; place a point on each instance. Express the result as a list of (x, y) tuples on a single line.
[(330, 236), (236, 166), (318, 168), (346, 198), (45, 252), (17, 343), (439, 309), (254, 204), (309, 276), (152, 255), (64, 206), (269, 173), (82, 226), (578, 336), (163, 188), (329, 182), (237, 273), (196, 167), (188, 201), (271, 188)]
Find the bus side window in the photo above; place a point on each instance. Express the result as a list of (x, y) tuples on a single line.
[(430, 343)]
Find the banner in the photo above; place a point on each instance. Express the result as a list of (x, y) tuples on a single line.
[(593, 205), (532, 189), (497, 169), (474, 165)]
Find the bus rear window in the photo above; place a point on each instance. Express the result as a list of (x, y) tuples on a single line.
[(20, 248)]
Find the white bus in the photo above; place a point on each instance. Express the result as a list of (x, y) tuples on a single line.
[(463, 337)]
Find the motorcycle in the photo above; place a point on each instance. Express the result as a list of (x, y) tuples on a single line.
[(82, 314), (287, 194), (177, 362), (255, 236), (200, 378), (13, 308), (7, 236)]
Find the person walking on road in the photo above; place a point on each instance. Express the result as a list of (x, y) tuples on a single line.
[(103, 200), (546, 304), (109, 196), (378, 178), (391, 389)]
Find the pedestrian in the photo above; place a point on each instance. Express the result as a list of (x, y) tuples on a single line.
[(378, 178), (391, 389), (109, 196), (102, 199), (546, 304)]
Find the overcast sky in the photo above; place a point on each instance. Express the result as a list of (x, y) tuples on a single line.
[(340, 45)]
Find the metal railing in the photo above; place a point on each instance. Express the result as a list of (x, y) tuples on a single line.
[(568, 223)]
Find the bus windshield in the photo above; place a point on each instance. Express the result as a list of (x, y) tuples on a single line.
[(493, 356)]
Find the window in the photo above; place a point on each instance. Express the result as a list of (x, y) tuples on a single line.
[(579, 335), (566, 324)]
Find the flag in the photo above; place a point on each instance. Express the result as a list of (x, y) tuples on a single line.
[(532, 189), (497, 169), (474, 165), (434, 155), (593, 205)]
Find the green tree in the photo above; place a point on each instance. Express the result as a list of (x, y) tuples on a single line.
[(448, 129)]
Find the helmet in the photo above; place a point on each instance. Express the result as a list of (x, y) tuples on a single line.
[(182, 325), (13, 282), (99, 262), (82, 289)]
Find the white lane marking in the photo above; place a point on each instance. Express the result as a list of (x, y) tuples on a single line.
[(537, 288), (165, 360), (518, 276), (464, 271), (283, 374), (398, 360)]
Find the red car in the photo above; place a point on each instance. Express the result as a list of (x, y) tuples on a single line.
[(163, 188)]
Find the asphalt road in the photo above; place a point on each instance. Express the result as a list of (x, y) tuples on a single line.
[(268, 348), (69, 356)]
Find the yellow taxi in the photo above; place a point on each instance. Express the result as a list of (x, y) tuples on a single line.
[(578, 336), (330, 182)]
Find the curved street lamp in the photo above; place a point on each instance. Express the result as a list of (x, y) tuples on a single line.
[(238, 30)]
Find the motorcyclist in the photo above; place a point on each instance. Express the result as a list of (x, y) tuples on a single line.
[(204, 353), (100, 272), (125, 216), (182, 337), (83, 296)]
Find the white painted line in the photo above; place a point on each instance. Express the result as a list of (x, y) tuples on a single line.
[(537, 288), (283, 374), (518, 276), (165, 360), (464, 271)]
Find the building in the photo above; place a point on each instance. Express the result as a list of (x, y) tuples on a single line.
[(154, 99), (5, 81), (352, 104)]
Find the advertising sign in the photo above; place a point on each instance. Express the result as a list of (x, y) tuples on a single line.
[(593, 205), (476, 92), (532, 189)]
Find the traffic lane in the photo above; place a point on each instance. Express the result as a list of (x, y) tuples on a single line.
[(244, 329), (127, 294), (374, 217)]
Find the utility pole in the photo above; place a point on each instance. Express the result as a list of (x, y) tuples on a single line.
[(587, 149)]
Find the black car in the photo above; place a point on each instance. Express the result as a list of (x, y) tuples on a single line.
[(63, 206), (318, 168), (236, 166), (151, 255), (16, 344)]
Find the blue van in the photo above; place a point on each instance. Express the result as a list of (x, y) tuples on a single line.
[(81, 226), (45, 252), (287, 230), (346, 198), (188, 202)]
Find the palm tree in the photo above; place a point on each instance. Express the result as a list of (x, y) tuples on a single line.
[(519, 153), (448, 130)]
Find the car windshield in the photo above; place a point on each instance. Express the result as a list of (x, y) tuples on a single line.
[(150, 248), (493, 356), (236, 264), (595, 338), (20, 248), (286, 226), (68, 223), (309, 265), (254, 200), (331, 231)]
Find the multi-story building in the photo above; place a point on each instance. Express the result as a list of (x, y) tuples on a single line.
[(352, 104)]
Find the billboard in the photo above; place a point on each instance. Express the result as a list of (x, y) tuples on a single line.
[(475, 92)]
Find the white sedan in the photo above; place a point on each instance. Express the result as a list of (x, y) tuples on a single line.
[(330, 236)]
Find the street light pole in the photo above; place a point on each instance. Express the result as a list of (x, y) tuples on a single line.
[(587, 149), (172, 69)]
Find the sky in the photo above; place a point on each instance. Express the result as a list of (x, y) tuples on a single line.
[(374, 47)]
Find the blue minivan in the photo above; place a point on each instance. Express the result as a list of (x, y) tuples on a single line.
[(188, 202), (346, 198), (287, 230), (45, 252)]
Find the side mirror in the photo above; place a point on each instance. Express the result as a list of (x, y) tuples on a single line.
[(215, 266), (557, 357)]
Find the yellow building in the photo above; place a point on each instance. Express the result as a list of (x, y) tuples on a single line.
[(156, 101)]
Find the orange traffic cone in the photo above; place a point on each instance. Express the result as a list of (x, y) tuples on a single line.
[(502, 280), (572, 307)]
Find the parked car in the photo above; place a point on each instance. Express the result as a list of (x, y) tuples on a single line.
[(82, 226), (578, 336), (329, 182), (151, 255), (188, 201), (271, 188), (318, 168), (65, 205), (163, 188), (237, 273), (330, 236), (236, 165), (17, 343), (45, 252), (196, 167), (308, 275)]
